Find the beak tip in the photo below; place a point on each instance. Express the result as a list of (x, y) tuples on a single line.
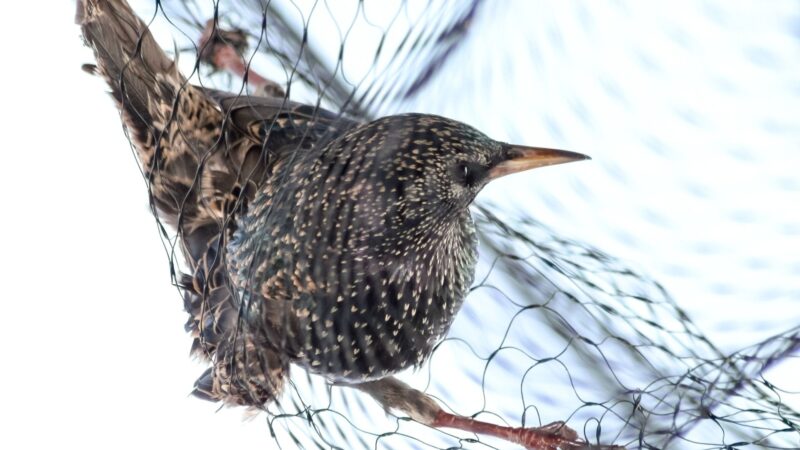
[(576, 157)]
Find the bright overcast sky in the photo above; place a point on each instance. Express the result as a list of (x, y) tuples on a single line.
[(94, 350)]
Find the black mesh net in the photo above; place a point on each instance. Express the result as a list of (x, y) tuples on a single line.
[(553, 328)]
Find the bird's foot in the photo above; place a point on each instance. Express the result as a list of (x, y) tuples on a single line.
[(553, 436), (395, 394), (223, 50), (558, 429)]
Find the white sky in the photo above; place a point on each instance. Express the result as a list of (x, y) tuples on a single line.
[(95, 354)]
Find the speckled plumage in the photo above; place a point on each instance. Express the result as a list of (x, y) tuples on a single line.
[(370, 244), (204, 154), (344, 247)]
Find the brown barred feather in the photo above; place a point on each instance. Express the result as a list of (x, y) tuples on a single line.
[(203, 153)]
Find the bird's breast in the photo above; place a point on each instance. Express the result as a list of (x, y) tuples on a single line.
[(330, 283), (376, 319), (352, 317)]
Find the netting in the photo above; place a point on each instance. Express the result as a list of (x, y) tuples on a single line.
[(553, 328)]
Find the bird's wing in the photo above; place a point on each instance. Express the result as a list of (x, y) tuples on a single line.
[(174, 126), (254, 115), (204, 154), (262, 107)]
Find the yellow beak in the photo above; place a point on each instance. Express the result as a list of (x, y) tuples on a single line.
[(523, 158)]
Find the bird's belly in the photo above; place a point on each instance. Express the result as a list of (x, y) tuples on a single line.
[(371, 341), (354, 363)]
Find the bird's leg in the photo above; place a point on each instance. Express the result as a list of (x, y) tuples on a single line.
[(392, 393), (223, 50)]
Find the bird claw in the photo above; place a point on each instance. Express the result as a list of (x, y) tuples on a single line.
[(555, 436), (224, 49), (559, 429)]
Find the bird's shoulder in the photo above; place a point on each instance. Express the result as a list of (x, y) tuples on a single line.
[(262, 117)]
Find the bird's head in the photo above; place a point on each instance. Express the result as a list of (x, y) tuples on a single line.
[(434, 166), (402, 183)]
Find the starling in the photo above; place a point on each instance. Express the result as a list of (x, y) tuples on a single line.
[(310, 238)]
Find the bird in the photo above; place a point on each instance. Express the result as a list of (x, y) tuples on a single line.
[(310, 238)]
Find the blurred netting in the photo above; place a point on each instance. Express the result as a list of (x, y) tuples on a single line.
[(554, 329)]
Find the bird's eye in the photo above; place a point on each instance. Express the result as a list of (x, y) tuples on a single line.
[(469, 174)]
